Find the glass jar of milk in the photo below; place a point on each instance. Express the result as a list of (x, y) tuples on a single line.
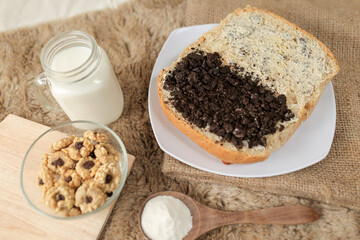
[(81, 78)]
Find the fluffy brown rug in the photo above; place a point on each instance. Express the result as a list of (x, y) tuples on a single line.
[(132, 36)]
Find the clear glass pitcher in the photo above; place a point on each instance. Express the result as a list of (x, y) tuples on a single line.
[(81, 79)]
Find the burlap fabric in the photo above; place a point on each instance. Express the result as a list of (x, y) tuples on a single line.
[(132, 35), (336, 179)]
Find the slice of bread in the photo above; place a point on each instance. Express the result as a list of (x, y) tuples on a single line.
[(278, 55)]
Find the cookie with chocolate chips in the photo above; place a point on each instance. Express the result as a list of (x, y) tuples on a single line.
[(106, 153), (62, 143), (108, 177), (60, 198), (80, 148), (71, 178), (45, 179), (95, 136), (89, 197), (59, 162)]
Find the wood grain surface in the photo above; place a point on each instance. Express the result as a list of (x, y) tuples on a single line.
[(18, 220)]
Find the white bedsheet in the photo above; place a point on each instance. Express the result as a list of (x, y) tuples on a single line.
[(19, 13)]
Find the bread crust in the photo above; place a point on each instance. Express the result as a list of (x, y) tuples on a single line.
[(227, 155)]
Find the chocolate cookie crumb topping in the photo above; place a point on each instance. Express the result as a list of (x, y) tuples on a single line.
[(41, 182), (109, 194), (281, 128), (233, 106)]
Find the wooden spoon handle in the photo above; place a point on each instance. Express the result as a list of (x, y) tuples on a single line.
[(212, 218), (278, 215)]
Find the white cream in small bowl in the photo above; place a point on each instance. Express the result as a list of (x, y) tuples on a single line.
[(166, 218)]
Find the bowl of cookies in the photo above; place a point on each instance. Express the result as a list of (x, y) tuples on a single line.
[(74, 170)]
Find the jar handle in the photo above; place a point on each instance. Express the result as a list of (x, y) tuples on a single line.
[(40, 84)]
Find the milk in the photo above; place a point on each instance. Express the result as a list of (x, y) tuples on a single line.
[(70, 59), (95, 95)]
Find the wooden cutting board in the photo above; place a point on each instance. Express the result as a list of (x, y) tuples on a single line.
[(18, 220)]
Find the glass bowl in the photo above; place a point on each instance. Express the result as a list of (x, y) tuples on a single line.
[(33, 157)]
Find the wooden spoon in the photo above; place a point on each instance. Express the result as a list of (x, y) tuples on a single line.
[(205, 219)]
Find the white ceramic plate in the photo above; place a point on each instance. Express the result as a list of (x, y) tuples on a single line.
[(309, 145)]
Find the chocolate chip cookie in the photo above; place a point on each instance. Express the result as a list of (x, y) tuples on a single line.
[(60, 198), (45, 179), (59, 162), (71, 178), (108, 177), (80, 148), (62, 143), (95, 136), (89, 197), (106, 153)]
